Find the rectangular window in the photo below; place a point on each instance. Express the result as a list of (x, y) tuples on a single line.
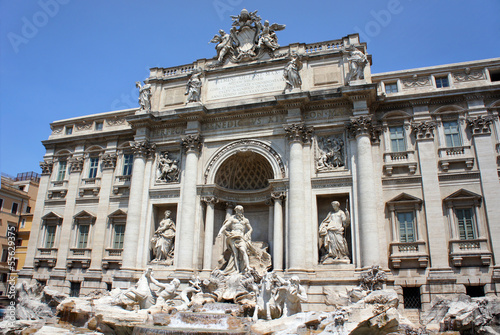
[(128, 161), (465, 217), (98, 125), (474, 291), (28, 209), (14, 208), (61, 173), (442, 82), (94, 164), (397, 139), (495, 75), (83, 236), (411, 298), (1, 204), (69, 130), (452, 134), (5, 255), (51, 236), (391, 88), (406, 227), (23, 223), (118, 236)]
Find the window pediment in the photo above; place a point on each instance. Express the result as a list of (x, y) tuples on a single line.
[(52, 216), (404, 199), (463, 195)]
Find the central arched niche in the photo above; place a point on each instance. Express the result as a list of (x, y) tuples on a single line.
[(240, 175), (244, 171)]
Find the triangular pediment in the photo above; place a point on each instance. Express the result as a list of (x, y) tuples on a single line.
[(463, 194), (118, 213), (84, 214), (404, 198), (52, 215)]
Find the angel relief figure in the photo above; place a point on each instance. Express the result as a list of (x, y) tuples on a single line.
[(331, 153), (224, 44), (268, 36)]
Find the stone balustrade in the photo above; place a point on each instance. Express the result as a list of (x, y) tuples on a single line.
[(408, 254), (461, 155), (470, 252)]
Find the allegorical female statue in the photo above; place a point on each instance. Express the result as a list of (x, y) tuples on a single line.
[(331, 233), (291, 73), (162, 242)]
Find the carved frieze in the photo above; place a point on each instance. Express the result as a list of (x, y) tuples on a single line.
[(76, 164), (83, 126), (480, 124), (47, 166), (192, 143), (416, 82), (330, 154), (142, 148), (108, 161), (468, 75), (116, 121), (167, 168), (210, 200), (57, 130), (424, 130), (298, 133)]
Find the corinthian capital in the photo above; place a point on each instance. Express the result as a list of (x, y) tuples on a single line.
[(46, 166), (298, 133), (361, 125), (480, 125), (76, 164), (192, 143), (424, 130), (142, 148), (108, 161)]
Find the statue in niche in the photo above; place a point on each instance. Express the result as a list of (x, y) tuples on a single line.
[(291, 73), (238, 241), (331, 154), (162, 241), (193, 87), (144, 96), (357, 62), (168, 171), (331, 233)]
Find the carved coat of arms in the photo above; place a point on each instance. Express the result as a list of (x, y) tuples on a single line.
[(248, 38)]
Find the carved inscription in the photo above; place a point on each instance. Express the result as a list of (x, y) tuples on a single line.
[(326, 114), (248, 84), (247, 122), (165, 132)]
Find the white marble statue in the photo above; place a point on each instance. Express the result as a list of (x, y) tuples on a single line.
[(268, 36), (237, 240), (266, 306), (144, 96), (291, 73), (193, 87), (331, 153), (331, 232), (224, 44), (142, 293), (162, 241), (167, 291), (290, 297), (357, 62)]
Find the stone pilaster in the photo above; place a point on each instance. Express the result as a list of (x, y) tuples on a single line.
[(486, 161), (192, 146), (108, 164), (34, 243), (209, 232), (141, 150), (362, 129), (296, 134), (424, 133), (69, 211)]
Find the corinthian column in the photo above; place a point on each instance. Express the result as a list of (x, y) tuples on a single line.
[(296, 135), (141, 150), (192, 147), (362, 129), (278, 230)]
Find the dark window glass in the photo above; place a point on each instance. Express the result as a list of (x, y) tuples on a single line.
[(442, 82)]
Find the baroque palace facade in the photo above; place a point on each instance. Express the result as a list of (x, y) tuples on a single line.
[(411, 156)]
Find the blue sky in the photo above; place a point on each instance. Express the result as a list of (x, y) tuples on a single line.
[(66, 58)]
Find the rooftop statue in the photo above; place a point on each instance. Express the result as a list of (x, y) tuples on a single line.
[(193, 87), (144, 96), (357, 62), (291, 73), (248, 39)]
